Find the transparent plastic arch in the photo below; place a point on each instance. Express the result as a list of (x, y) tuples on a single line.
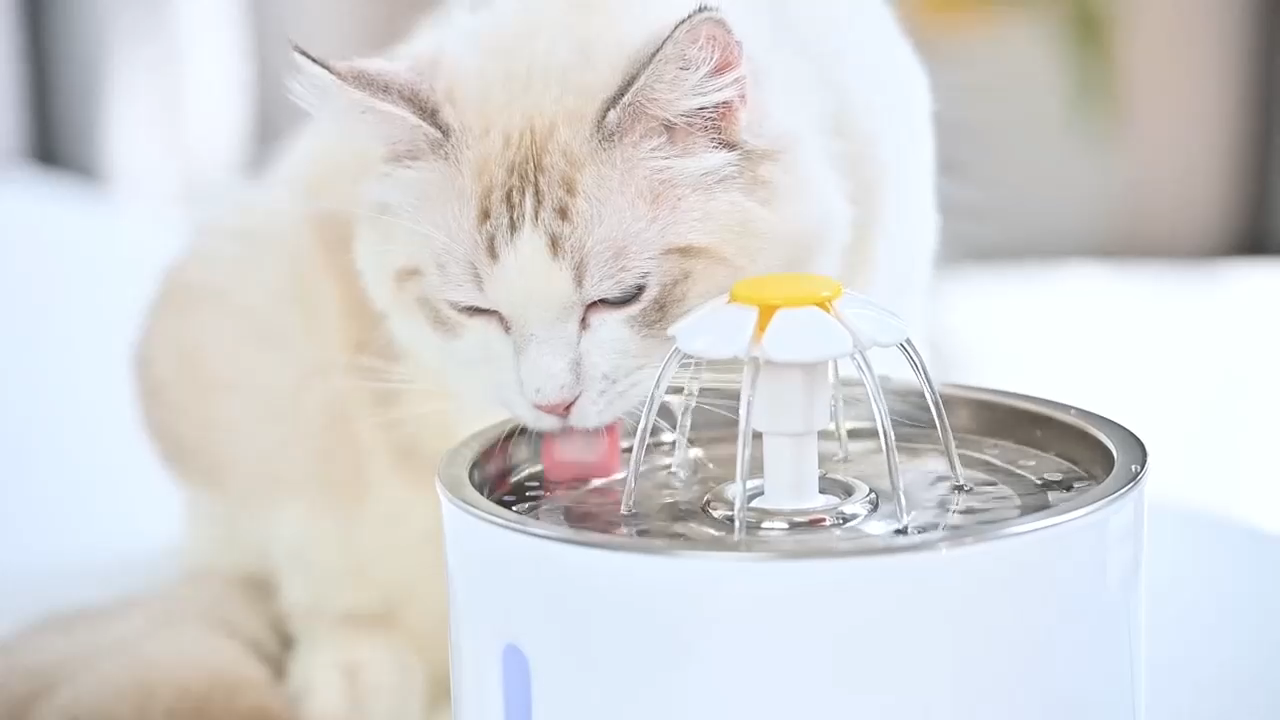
[(791, 345)]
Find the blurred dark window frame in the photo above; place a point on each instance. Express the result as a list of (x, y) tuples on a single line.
[(1267, 213)]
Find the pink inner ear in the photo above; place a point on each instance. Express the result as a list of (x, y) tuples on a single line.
[(717, 41), (722, 46), (694, 90)]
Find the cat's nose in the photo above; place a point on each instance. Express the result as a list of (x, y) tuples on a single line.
[(560, 409)]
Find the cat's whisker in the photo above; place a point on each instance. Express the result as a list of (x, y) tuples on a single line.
[(719, 411), (411, 411), (709, 401), (383, 375), (416, 227), (380, 373), (663, 425), (450, 245), (393, 384), (372, 367), (374, 360), (512, 434), (405, 413)]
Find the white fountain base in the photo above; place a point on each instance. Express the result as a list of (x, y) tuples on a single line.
[(1042, 625)]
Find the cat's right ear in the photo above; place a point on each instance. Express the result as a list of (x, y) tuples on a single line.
[(387, 97), (690, 89)]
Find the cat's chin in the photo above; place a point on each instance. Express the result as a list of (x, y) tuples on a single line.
[(594, 416), (599, 420), (543, 423), (557, 425)]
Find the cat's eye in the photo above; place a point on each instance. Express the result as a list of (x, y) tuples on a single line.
[(476, 311), (622, 299)]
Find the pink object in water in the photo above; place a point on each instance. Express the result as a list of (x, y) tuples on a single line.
[(578, 455)]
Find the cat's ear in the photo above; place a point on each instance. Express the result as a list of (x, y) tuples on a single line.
[(393, 103), (692, 87)]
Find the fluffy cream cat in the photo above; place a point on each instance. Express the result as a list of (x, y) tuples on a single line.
[(499, 217)]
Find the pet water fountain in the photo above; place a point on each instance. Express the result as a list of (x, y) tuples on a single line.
[(882, 550)]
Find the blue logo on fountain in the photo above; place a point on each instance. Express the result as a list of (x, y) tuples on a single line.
[(517, 686)]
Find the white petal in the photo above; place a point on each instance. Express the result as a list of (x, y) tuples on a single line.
[(872, 325), (718, 333), (711, 304), (802, 335)]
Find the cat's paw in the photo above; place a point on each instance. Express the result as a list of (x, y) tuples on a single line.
[(188, 677), (352, 673), (153, 698)]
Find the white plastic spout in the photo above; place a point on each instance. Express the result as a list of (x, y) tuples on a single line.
[(789, 328), (790, 472), (792, 407)]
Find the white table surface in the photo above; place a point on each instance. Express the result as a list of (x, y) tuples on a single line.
[(1181, 353)]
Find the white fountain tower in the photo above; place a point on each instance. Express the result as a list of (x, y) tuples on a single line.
[(790, 330)]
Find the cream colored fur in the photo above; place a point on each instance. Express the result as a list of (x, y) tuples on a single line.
[(348, 317)]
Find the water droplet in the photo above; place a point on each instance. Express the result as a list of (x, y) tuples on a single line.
[(1026, 463), (1052, 477), (536, 493), (509, 498)]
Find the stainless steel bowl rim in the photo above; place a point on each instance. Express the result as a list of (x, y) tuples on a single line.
[(1127, 475)]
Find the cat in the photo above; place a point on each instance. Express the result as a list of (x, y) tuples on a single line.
[(498, 217)]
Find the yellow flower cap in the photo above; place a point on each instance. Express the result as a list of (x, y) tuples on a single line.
[(769, 293)]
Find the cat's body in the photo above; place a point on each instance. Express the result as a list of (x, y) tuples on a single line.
[(501, 219)]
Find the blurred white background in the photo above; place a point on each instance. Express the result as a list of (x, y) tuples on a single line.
[(169, 96)]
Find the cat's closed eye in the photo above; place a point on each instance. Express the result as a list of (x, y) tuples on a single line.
[(475, 311), (622, 299)]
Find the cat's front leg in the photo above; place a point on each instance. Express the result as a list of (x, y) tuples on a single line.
[(362, 589), (358, 670)]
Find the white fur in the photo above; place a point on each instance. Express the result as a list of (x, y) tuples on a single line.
[(833, 88), (318, 483)]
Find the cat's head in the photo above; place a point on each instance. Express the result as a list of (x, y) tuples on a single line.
[(543, 239)]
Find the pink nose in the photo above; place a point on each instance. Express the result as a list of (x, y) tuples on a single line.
[(560, 409)]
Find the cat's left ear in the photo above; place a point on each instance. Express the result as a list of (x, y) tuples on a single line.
[(393, 103), (692, 87)]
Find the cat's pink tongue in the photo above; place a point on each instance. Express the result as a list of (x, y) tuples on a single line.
[(572, 456)]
